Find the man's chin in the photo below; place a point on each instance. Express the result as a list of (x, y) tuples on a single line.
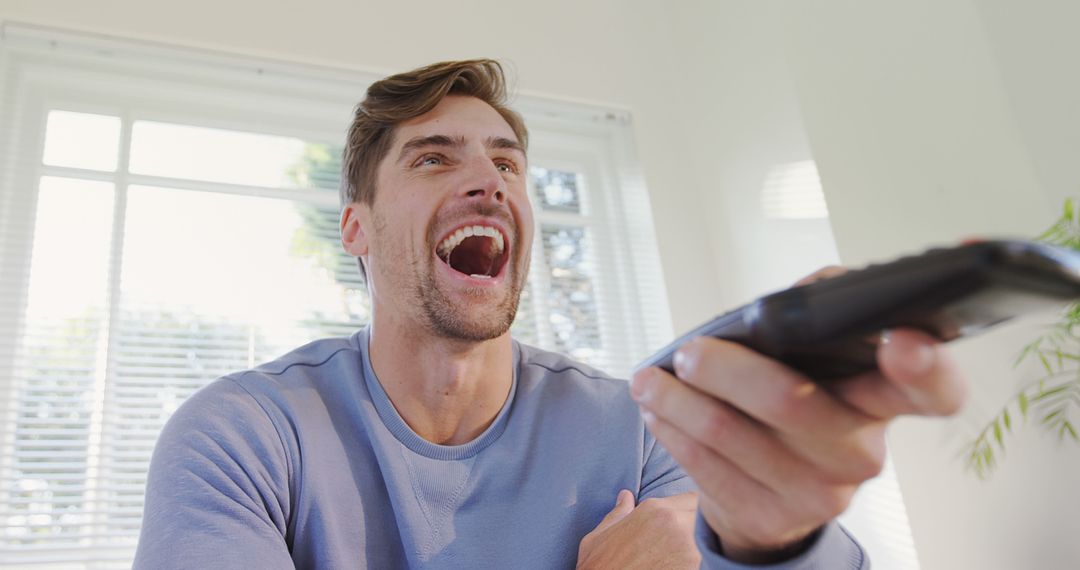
[(473, 314), (470, 329), (471, 321)]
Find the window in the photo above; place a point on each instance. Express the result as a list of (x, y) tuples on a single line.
[(167, 217)]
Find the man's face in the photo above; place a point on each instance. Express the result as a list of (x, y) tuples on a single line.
[(451, 227)]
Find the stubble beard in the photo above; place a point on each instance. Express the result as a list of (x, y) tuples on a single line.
[(485, 318), (447, 318), (450, 319)]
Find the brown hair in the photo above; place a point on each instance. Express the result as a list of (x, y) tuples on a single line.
[(404, 96)]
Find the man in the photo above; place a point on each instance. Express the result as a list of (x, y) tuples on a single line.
[(432, 439)]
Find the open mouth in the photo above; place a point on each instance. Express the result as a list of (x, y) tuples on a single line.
[(477, 251)]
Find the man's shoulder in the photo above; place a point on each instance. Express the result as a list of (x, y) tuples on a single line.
[(560, 372), (277, 390), (555, 363), (313, 356), (318, 361), (320, 365)]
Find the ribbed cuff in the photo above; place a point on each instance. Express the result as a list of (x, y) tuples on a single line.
[(833, 549)]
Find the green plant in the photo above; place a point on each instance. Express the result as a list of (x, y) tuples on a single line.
[(1051, 398)]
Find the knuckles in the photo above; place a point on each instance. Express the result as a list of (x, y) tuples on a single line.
[(832, 502), (692, 456), (659, 514), (788, 404), (868, 459), (863, 460), (718, 423)]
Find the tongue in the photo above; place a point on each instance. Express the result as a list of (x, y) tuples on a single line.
[(474, 256)]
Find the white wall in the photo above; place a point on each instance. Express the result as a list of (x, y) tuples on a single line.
[(911, 125), (1025, 516), (745, 126), (929, 120), (1036, 46)]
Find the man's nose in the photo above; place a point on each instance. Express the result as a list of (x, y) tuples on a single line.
[(486, 183)]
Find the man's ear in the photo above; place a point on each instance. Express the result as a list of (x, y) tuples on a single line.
[(355, 222)]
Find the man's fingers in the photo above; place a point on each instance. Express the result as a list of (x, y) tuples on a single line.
[(720, 427), (922, 371), (764, 389), (873, 394), (725, 480), (789, 464), (749, 512), (624, 505), (658, 533), (839, 439)]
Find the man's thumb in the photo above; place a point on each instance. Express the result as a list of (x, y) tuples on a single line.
[(624, 505)]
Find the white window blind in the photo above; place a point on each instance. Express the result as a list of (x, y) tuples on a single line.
[(168, 216)]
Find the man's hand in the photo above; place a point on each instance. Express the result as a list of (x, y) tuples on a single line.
[(776, 456), (658, 533)]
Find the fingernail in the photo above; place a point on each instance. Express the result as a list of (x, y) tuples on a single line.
[(886, 337), (641, 386), (681, 362)]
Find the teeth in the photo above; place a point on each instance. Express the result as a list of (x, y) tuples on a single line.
[(455, 239), (479, 276)]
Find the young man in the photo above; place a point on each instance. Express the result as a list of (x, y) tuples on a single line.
[(432, 439)]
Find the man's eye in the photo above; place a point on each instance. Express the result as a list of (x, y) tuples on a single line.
[(505, 167), (430, 161)]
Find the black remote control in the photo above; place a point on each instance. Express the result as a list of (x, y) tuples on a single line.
[(827, 329)]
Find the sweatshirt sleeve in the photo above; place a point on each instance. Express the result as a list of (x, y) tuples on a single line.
[(833, 549), (217, 492), (661, 475)]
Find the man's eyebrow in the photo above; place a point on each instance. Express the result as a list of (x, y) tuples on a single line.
[(504, 143), (432, 140)]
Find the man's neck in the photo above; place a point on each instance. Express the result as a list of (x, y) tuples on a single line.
[(448, 391)]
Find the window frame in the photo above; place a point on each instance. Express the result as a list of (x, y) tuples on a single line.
[(44, 70)]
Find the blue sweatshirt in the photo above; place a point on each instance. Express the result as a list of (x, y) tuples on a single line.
[(304, 462)]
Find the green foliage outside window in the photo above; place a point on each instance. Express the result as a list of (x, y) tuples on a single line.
[(1050, 400)]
